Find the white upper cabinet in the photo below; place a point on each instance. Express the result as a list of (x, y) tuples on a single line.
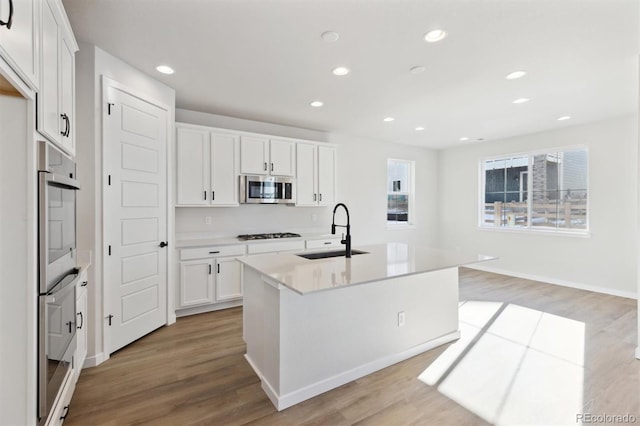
[(306, 179), (207, 167), (193, 166), (282, 158), (263, 156), (316, 174), (254, 155), (19, 38), (56, 99), (326, 175), (225, 157)]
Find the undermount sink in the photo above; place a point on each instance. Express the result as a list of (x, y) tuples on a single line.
[(327, 254)]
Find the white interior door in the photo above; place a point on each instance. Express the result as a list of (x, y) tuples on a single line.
[(135, 217)]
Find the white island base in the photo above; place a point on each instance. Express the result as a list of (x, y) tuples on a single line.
[(301, 345)]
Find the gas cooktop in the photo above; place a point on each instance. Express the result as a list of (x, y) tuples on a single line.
[(267, 236)]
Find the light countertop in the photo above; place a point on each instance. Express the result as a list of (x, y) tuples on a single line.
[(383, 261), (226, 241)]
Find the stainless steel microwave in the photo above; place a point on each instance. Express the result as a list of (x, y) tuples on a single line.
[(267, 190)]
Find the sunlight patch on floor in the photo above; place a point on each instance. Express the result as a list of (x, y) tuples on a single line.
[(513, 365)]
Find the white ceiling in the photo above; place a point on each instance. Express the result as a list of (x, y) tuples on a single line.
[(264, 60)]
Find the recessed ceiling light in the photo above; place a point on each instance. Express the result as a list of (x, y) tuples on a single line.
[(418, 69), (330, 36), (521, 100), (564, 117), (340, 71), (435, 35), (419, 129), (165, 69), (464, 138), (316, 104), (388, 119), (515, 75)]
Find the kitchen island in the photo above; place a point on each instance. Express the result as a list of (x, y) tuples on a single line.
[(313, 325)]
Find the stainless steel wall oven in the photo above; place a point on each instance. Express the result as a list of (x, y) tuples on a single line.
[(57, 273)]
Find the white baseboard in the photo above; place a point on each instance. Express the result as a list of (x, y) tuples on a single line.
[(93, 361), (548, 280), (208, 308), (285, 401)]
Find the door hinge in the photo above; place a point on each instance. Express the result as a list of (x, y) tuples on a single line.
[(109, 105), (109, 250), (109, 317)]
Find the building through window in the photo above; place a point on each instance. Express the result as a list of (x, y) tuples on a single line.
[(536, 191), (400, 191)]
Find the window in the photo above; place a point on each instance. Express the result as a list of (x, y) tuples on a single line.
[(400, 192), (547, 191)]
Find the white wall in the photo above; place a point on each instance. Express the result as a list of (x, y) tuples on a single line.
[(604, 262), (362, 169), (18, 286), (91, 64)]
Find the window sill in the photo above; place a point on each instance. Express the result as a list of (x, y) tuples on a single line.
[(529, 231)]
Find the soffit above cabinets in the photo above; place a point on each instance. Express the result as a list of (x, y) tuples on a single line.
[(266, 61)]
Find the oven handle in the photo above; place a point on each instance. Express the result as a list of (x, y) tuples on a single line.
[(60, 180)]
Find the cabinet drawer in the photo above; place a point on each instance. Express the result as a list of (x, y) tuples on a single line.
[(214, 251), (318, 244), (272, 247), (60, 408)]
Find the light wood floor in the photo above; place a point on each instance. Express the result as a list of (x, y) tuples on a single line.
[(194, 373)]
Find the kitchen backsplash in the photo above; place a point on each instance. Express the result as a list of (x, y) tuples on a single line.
[(250, 219)]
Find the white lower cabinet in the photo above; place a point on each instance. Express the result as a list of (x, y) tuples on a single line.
[(228, 279), (209, 275), (196, 283), (61, 408), (81, 324), (324, 243)]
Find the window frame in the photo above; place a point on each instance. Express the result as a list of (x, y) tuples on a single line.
[(529, 229), (410, 223)]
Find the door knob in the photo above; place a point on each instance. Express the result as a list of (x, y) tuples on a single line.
[(164, 244)]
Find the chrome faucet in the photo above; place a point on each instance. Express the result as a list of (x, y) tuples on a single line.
[(347, 240)]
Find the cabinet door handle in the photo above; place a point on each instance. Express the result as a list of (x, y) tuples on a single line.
[(327, 242), (209, 269), (265, 166), (70, 324), (163, 244), (66, 124), (66, 412), (81, 320), (315, 197), (271, 166), (218, 268), (84, 283), (214, 252), (9, 21), (205, 195), (319, 197), (213, 195)]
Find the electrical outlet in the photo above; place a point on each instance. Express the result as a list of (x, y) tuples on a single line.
[(401, 319), (207, 220)]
